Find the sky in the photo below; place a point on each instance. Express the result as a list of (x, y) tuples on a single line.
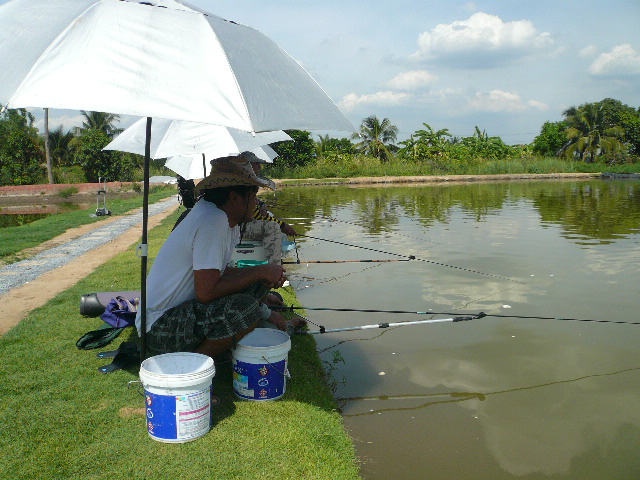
[(506, 66)]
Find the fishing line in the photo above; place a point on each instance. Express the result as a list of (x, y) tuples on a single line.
[(463, 396), (348, 340), (331, 279), (333, 219), (564, 319), (285, 308), (472, 301), (411, 257)]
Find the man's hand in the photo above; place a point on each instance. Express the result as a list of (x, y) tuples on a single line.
[(273, 276), (278, 320), (288, 230)]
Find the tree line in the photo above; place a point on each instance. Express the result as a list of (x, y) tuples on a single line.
[(74, 156), (606, 132)]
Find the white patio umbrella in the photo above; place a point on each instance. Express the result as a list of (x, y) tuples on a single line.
[(175, 137), (157, 58), (192, 167)]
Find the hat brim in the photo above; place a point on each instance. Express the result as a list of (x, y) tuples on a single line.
[(224, 179)]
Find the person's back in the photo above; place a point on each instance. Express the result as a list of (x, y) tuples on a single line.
[(170, 281), (196, 303)]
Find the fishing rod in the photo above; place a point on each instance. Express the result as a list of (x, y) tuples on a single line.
[(323, 329), (291, 308), (298, 262), (412, 257), (386, 325)]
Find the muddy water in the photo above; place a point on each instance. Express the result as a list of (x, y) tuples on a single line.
[(501, 397)]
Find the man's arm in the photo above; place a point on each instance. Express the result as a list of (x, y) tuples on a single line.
[(210, 285)]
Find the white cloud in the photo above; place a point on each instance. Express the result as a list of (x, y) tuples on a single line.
[(621, 61), (501, 101), (469, 7), (412, 80), (385, 98), (65, 120), (538, 105), (589, 51), (483, 40)]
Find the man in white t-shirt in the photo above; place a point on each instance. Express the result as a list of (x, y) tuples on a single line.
[(195, 302)]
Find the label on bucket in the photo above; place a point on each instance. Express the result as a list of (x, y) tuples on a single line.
[(178, 417), (255, 381)]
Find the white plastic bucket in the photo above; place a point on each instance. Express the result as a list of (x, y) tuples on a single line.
[(249, 250), (260, 365), (177, 390)]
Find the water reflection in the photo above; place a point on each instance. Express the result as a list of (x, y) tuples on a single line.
[(602, 211), (594, 210), (497, 398), (524, 397)]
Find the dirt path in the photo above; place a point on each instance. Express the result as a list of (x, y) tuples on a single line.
[(18, 302)]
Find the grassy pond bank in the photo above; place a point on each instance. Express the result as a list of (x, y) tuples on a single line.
[(64, 419)]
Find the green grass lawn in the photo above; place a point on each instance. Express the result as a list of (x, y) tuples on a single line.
[(62, 419), (16, 239)]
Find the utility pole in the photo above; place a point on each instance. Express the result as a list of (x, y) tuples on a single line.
[(47, 151)]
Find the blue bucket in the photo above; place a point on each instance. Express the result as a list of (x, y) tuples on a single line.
[(260, 365), (177, 390)]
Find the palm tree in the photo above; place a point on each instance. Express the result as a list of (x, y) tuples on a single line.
[(323, 145), (59, 145), (587, 133), (434, 142), (376, 137), (101, 121), (431, 137)]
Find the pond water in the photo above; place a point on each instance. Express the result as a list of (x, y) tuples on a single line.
[(501, 397)]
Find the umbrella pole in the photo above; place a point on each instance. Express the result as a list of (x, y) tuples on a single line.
[(143, 248)]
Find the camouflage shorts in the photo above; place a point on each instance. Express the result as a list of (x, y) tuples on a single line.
[(183, 328)]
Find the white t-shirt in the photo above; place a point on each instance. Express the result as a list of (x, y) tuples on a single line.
[(203, 240)]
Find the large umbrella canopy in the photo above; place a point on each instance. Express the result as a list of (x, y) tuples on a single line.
[(174, 137), (193, 167), (159, 58)]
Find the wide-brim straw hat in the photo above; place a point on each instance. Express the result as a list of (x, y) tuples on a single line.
[(232, 171)]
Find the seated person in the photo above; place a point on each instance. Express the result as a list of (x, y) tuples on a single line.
[(265, 227), (195, 302)]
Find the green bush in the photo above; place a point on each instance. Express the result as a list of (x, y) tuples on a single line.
[(67, 192), (66, 175)]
